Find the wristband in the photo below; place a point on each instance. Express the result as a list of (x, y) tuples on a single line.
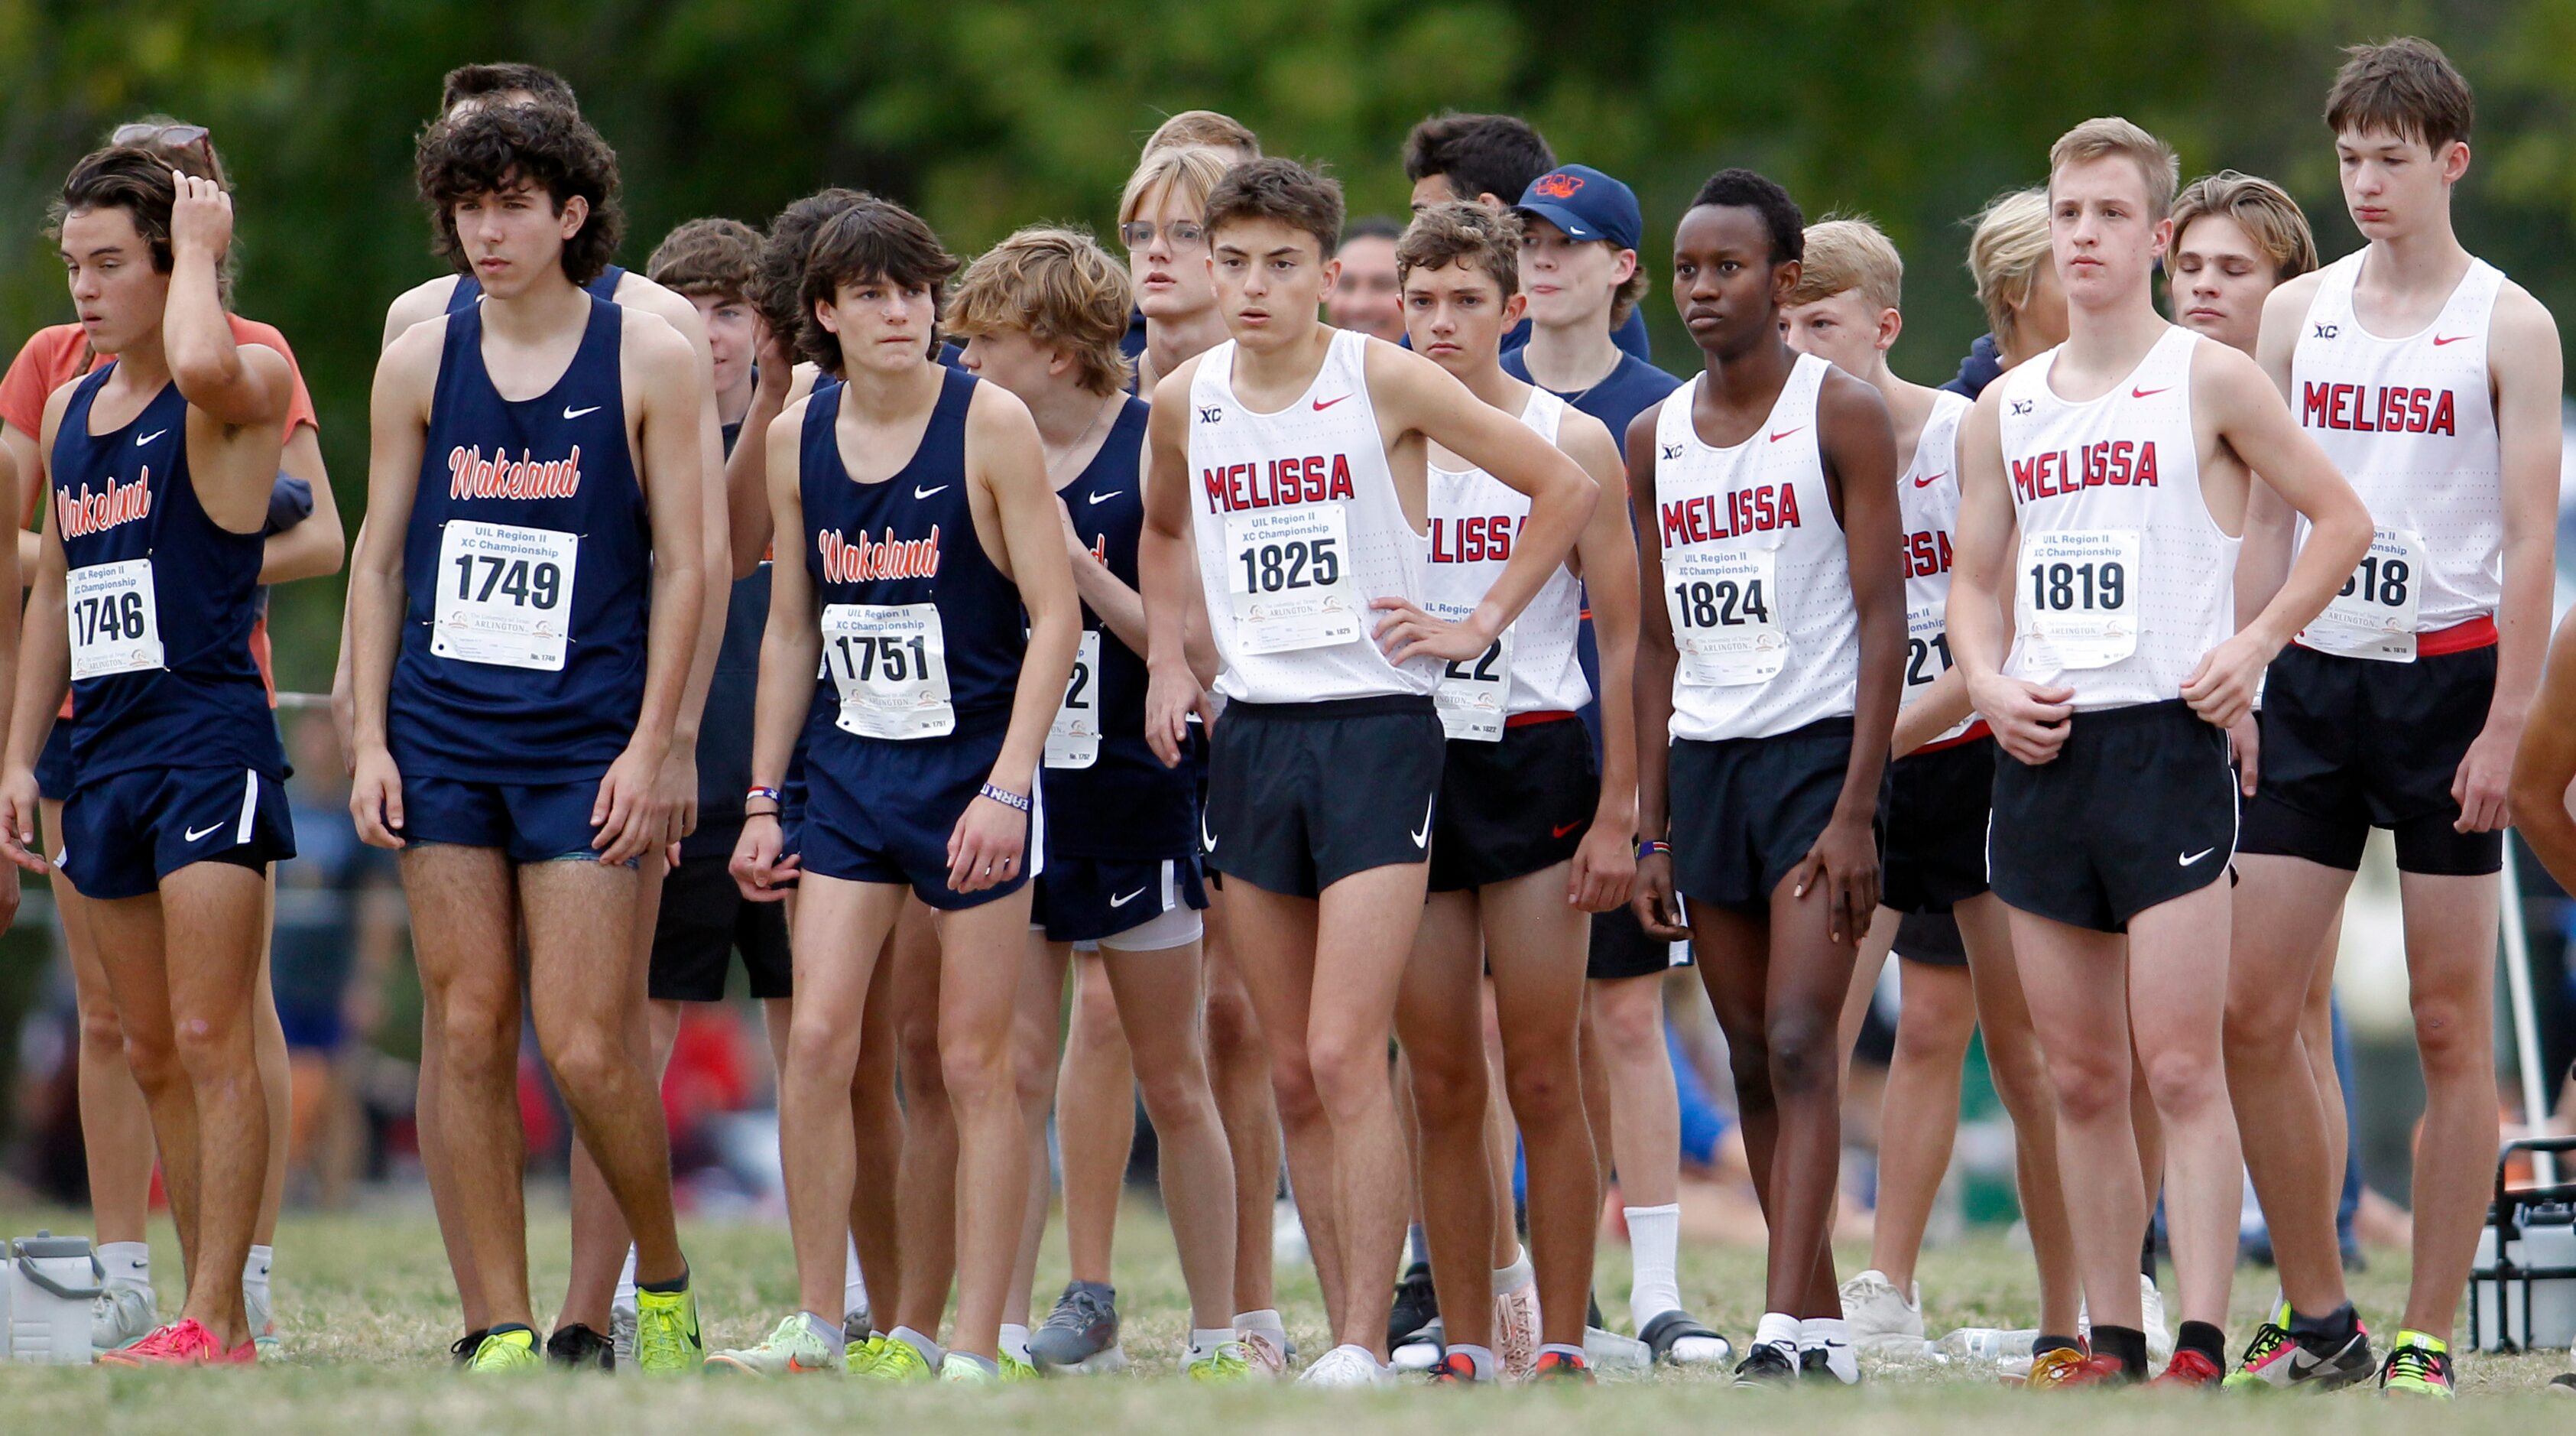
[(772, 794), (1008, 799), (1651, 846)]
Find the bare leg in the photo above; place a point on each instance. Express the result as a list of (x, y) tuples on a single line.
[(2316, 1037), (1239, 1072), (1627, 1028), (2084, 1032), (982, 951), (1095, 1118), (116, 1125), (2020, 1072), (1438, 1019), (1502, 1142), (926, 1199), (598, 1233), (1535, 943), (2177, 1017), (465, 939), (276, 1070), (876, 1119), (2450, 968), (1036, 1027), (1158, 1004), (840, 925), (1920, 1119), (1875, 947)]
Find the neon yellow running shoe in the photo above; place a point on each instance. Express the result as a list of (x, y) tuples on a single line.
[(2418, 1365), (965, 1371), (898, 1360), (862, 1358), (1231, 1361), (791, 1350), (666, 1332), (1014, 1369), (506, 1351), (2268, 1349)]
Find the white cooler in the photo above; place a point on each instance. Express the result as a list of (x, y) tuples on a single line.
[(46, 1299), (2522, 1288)]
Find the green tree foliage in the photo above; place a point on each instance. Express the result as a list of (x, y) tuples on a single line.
[(987, 114)]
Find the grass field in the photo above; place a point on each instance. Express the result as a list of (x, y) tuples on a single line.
[(365, 1312)]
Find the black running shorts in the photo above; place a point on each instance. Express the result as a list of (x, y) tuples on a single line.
[(2138, 808), (1513, 807), (1747, 810), (704, 921), (1936, 827), (1302, 795)]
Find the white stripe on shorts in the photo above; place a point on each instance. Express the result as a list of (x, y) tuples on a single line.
[(250, 806)]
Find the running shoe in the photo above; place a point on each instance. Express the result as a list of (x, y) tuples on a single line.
[(576, 1347), (1081, 1334), (1516, 1334), (1816, 1364), (1884, 1321), (1014, 1369), (2053, 1366), (1230, 1361), (666, 1332), (966, 1371), (120, 1316), (1768, 1364), (900, 1361), (2417, 1365), (1269, 1360), (2083, 1371), (621, 1331), (461, 1350), (792, 1349), (2190, 1370), (181, 1343), (506, 1351), (2277, 1360), (1456, 1369), (860, 1356), (2563, 1384), (1560, 1366), (1423, 1349), (1346, 1366), (1417, 1303)]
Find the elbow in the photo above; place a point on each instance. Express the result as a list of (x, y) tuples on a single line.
[(200, 371)]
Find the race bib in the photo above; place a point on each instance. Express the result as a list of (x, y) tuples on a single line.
[(2374, 616), (1474, 693), (1288, 574), (2079, 594), (889, 662), (504, 595), (116, 625), (1723, 626), (1073, 739), (1927, 649)]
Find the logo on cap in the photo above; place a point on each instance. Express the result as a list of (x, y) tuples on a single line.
[(1558, 186)]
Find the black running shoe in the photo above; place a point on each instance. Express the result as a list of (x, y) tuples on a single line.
[(1416, 1303), (1815, 1366), (1770, 1365), (461, 1350), (579, 1348)]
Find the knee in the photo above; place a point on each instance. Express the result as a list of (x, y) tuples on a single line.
[(1748, 1061), (1175, 1094), (2090, 1087), (1348, 1073), (1095, 1008), (102, 1031), (1449, 1089), (817, 1049), (1294, 1088), (1033, 1078), (152, 1057), (474, 1032), (2449, 1037), (917, 1054), (1630, 1026), (1231, 1026), (977, 1070), (1542, 1093), (1802, 1053), (2186, 1082), (2261, 1020), (588, 1062)]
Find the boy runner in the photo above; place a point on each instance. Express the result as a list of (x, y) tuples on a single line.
[(1367, 297)]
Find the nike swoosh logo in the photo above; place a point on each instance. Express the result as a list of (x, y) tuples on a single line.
[(1936, 478), (1784, 433), (1422, 838), (2137, 393), (1207, 843), (142, 439), (1123, 901), (196, 833), (2196, 857), (1322, 404), (2439, 340), (572, 413), (919, 492), (1104, 498), (1562, 831)]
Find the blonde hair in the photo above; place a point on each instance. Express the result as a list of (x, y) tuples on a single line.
[(2259, 207), (1189, 171), (2110, 135), (1205, 129), (2004, 256), (1849, 252), (1059, 287)]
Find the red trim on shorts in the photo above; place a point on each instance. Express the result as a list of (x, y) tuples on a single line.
[(1539, 715), (1975, 731), (2458, 638)]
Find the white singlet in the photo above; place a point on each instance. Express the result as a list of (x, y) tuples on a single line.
[(1757, 574), (1475, 522), (1927, 503), (2124, 580), (2411, 423), (1298, 528)]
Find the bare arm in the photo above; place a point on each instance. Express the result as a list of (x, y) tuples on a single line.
[(425, 300), (2029, 721), (1656, 663), (791, 647), (21, 448), (316, 546), (747, 467), (2545, 764), (1606, 864), (680, 776), (397, 433), (1860, 453), (2522, 354), (234, 386), (1166, 570)]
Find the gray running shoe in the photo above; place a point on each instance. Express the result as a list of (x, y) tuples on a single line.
[(1081, 1334), (119, 1316)]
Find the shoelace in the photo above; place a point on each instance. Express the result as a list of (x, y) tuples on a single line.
[(1078, 1311), (178, 1339), (502, 1349), (659, 1339), (1226, 1362), (2268, 1339), (2417, 1362)]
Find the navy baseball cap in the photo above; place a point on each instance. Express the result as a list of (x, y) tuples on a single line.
[(1586, 204)]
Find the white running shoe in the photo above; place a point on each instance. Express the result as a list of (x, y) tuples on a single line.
[(120, 1316), (621, 1332), (1264, 1357), (1516, 1333), (1884, 1321), (262, 1311), (1346, 1366), (2160, 1342)]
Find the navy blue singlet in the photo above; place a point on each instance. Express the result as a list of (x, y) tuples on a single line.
[(469, 289), (125, 498), (530, 536), (908, 540), (1126, 805)]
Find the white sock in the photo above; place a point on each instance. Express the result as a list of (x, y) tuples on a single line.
[(1204, 1340), (1482, 1357), (854, 1286), (1777, 1329), (826, 1332), (1015, 1342), (1512, 1278), (1831, 1335), (625, 1299), (1654, 1258), (1266, 1321), (128, 1263)]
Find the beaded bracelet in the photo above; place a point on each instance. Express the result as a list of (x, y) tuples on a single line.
[(1007, 798)]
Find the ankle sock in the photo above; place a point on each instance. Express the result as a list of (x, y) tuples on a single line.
[(1654, 1255), (931, 1351), (2044, 1343), (1517, 1276), (626, 1282), (1832, 1336), (1777, 1329), (826, 1332), (1482, 1358), (673, 1287), (2127, 1344), (2334, 1328), (1204, 1340), (2204, 1338), (1266, 1321), (854, 1285), (127, 1263)]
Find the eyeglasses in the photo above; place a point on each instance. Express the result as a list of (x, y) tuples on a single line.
[(1183, 234), (170, 137)]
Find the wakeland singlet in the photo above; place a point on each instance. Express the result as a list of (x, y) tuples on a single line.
[(2411, 423), (1757, 573), (469, 290), (2124, 580), (921, 633), (160, 600), (528, 573), (1476, 522), (1298, 529)]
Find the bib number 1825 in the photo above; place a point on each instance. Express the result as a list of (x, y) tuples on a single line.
[(1296, 563)]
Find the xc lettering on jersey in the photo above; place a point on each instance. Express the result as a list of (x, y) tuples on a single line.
[(2112, 463), (1475, 539), (471, 476), (865, 559), (1708, 517), (2377, 409), (1277, 483), (88, 513), (1927, 554)]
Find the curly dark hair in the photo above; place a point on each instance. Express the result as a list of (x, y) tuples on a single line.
[(780, 279), (475, 82), (1481, 154), (873, 239), (715, 258), (493, 148)]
